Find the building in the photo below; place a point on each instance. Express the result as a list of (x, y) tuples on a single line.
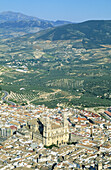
[(108, 113), (48, 131), (7, 131), (57, 134)]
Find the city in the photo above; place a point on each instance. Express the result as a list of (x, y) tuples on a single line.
[(62, 138)]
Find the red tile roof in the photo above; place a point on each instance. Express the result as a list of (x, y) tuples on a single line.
[(79, 118), (108, 113), (13, 127)]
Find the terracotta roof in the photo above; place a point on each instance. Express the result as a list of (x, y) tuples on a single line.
[(1, 147), (79, 118), (108, 113), (13, 127)]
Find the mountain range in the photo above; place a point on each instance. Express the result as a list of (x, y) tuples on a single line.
[(93, 34), (14, 24)]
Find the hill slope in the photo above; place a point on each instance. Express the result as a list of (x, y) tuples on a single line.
[(69, 64), (92, 33)]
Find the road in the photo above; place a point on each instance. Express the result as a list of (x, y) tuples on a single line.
[(6, 100)]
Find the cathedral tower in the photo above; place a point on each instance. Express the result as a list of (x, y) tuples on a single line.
[(46, 131), (65, 122)]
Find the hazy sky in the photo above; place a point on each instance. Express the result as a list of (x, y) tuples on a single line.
[(72, 10)]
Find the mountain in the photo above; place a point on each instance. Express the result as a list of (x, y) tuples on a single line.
[(59, 23), (14, 16), (92, 33), (14, 24)]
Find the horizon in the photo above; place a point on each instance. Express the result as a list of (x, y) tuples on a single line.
[(68, 10)]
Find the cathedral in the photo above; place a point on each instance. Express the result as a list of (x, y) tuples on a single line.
[(49, 131)]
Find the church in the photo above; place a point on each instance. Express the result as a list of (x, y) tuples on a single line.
[(49, 131)]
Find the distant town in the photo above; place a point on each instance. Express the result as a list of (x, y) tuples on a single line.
[(36, 137)]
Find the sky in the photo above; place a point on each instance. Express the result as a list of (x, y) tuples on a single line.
[(70, 10)]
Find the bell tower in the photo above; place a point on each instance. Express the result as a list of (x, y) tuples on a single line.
[(66, 129), (46, 131), (65, 122)]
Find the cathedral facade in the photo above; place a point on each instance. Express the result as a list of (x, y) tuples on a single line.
[(54, 133), (49, 132)]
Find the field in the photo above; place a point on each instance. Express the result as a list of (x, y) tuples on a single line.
[(59, 72)]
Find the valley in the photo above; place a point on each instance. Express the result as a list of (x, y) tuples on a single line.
[(55, 72)]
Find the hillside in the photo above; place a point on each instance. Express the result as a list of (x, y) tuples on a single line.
[(47, 68), (92, 33)]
